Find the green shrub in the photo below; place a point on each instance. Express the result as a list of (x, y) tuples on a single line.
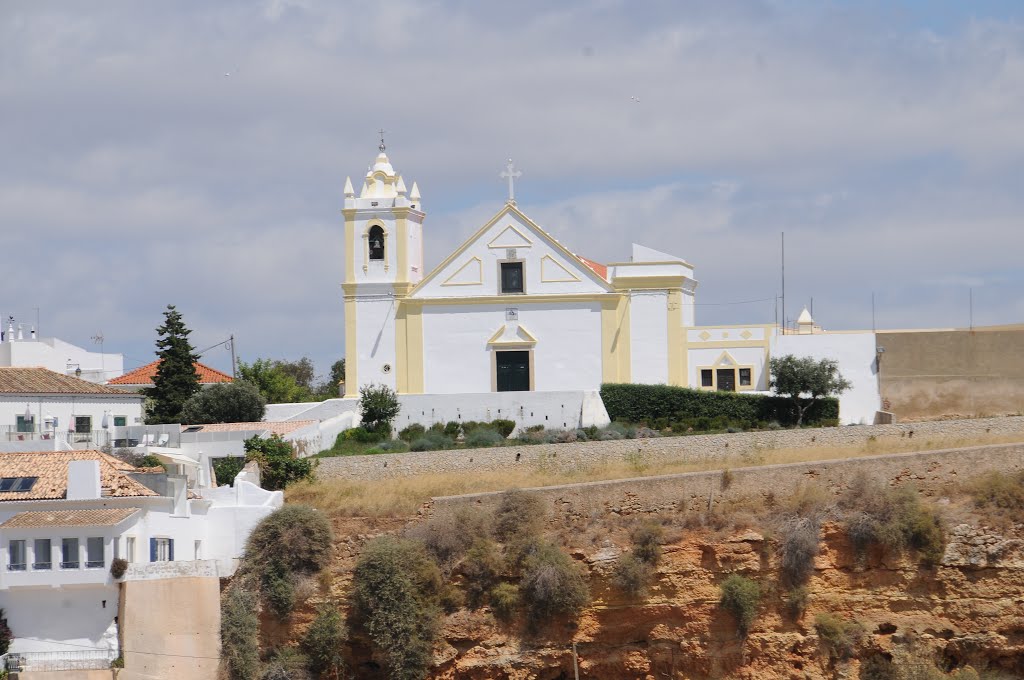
[(504, 426), (892, 519), (998, 490), (150, 461), (504, 601), (239, 634), (798, 545), (323, 642), (6, 636), (740, 597), (518, 514), (378, 408), (453, 429), (646, 403), (278, 465), (620, 430), (297, 536), (226, 469), (448, 534), (840, 638), (432, 441), (632, 575), (277, 587), (480, 569), (551, 586), (359, 435), (396, 595), (647, 542), (467, 426), (482, 437), (795, 602), (389, 446), (414, 431), (287, 664)]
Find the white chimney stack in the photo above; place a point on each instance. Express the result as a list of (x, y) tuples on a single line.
[(83, 480)]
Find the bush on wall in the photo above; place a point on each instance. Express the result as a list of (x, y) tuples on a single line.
[(644, 403)]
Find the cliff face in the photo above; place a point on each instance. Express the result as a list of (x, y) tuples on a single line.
[(967, 610)]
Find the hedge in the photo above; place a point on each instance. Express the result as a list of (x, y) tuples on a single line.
[(644, 403)]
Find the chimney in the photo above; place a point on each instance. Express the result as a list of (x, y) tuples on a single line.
[(10, 329), (33, 333), (83, 480), (21, 331)]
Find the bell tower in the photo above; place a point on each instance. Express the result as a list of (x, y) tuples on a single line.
[(383, 262)]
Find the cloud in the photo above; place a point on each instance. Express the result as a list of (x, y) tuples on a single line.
[(135, 173)]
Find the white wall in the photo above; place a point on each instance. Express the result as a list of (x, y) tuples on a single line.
[(554, 410), (855, 353), (744, 356), (61, 357), (648, 320), (65, 619), (63, 407), (375, 340), (457, 359)]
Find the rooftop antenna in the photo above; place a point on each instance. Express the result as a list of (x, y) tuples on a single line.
[(381, 133), (98, 339), (784, 283)]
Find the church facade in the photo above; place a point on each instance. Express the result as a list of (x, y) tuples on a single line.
[(513, 309)]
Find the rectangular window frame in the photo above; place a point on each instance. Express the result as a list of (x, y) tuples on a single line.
[(713, 387), (744, 380), (120, 421), (129, 548), (25, 425), (70, 548), (94, 553), (707, 377), (501, 277), (42, 559), (17, 557), (531, 368), (83, 424)]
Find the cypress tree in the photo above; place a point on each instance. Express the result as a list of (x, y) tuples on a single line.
[(176, 379)]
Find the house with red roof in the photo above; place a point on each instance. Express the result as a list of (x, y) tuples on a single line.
[(140, 378)]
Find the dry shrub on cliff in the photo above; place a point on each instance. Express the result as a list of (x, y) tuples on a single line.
[(396, 591), (504, 601), (999, 492), (798, 545), (741, 597), (518, 514), (323, 641), (632, 575), (239, 633), (480, 569), (892, 519), (647, 542), (450, 533), (839, 638), (552, 586)]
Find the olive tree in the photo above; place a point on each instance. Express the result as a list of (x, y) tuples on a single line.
[(795, 377)]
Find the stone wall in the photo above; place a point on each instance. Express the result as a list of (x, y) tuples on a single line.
[(932, 374), (929, 471), (703, 448)]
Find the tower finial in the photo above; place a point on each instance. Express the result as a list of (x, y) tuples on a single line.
[(381, 147)]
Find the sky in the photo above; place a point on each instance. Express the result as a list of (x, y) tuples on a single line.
[(194, 153)]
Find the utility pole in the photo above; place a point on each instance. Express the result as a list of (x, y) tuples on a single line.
[(575, 664), (234, 364), (783, 283)]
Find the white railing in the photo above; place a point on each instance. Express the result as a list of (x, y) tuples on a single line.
[(77, 660)]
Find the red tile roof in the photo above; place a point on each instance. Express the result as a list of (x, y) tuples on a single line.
[(144, 375), (51, 472), (599, 269), (15, 380)]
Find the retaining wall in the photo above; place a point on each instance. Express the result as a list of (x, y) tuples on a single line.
[(700, 448), (929, 471)]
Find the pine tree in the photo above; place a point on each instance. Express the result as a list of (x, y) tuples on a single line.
[(176, 379)]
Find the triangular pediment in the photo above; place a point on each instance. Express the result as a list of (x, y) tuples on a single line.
[(515, 335), (474, 269)]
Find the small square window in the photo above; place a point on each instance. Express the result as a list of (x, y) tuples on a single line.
[(744, 376), (705, 377), (511, 277), (120, 421)]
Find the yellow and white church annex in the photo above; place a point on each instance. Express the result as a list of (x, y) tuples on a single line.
[(514, 310)]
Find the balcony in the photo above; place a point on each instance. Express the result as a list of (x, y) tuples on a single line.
[(92, 439)]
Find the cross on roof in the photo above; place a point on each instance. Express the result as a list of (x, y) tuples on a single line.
[(381, 133), (511, 174)]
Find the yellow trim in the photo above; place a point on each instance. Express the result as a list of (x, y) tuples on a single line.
[(494, 367), (718, 344), (402, 246), (525, 338), (615, 340), (676, 358), (558, 264), (646, 282), (351, 350), (721, 364), (512, 299), (766, 326), (413, 348), (633, 264), (479, 274), (511, 209), (350, 247), (505, 231), (401, 351)]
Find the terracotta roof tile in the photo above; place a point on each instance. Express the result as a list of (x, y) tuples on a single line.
[(143, 375), (44, 381), (51, 470), (69, 518), (598, 268), (279, 427)]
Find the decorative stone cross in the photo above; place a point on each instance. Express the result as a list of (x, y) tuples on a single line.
[(511, 173)]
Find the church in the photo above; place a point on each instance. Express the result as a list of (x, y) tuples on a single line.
[(514, 310)]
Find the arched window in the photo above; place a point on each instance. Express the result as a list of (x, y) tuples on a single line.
[(376, 242)]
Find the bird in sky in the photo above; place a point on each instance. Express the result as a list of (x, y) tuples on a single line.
[(635, 99)]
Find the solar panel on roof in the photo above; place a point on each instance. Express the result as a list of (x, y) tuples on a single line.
[(17, 484)]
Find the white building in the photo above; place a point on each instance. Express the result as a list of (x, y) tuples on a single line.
[(37, 403), (66, 515), (513, 310), (21, 349)]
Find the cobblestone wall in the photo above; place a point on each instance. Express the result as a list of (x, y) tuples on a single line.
[(692, 448)]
